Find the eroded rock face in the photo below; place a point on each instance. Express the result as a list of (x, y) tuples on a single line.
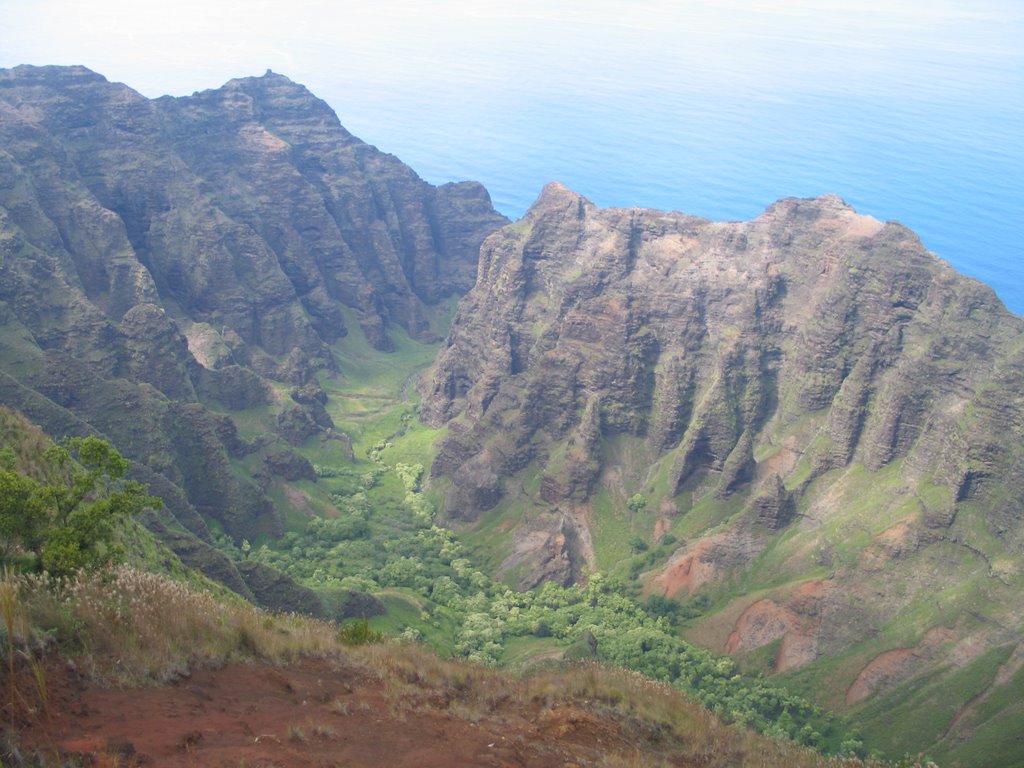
[(161, 258), (848, 406), (248, 206), (703, 339)]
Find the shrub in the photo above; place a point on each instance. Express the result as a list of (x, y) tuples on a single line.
[(637, 544), (359, 633)]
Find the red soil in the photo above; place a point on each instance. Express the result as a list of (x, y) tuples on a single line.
[(886, 667), (796, 623), (890, 667), (686, 574), (763, 622), (314, 713), (782, 463), (766, 621)]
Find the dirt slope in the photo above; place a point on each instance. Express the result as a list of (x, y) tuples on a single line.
[(327, 712)]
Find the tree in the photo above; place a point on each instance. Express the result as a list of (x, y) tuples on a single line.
[(71, 522), (636, 503), (20, 511)]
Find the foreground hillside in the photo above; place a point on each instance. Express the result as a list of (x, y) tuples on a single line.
[(224, 684)]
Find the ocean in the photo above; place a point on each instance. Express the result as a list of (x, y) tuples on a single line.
[(912, 111), (718, 110)]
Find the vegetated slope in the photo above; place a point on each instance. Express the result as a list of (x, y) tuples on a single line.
[(170, 267), (421, 586), (822, 417)]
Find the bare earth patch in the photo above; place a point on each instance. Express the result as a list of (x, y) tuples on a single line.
[(312, 713), (686, 574), (888, 666), (893, 666), (795, 622)]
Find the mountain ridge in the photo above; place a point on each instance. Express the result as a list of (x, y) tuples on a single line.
[(168, 264), (821, 413)]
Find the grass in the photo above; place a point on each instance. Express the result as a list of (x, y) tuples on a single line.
[(926, 707), (523, 652), (134, 627), (994, 729), (374, 390)]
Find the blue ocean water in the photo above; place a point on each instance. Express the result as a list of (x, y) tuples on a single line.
[(905, 118), (912, 110)]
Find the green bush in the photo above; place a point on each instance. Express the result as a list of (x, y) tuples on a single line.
[(359, 633)]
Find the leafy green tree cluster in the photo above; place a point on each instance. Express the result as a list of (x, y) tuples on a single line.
[(405, 550), (69, 521), (410, 475), (333, 530), (636, 503), (632, 637)]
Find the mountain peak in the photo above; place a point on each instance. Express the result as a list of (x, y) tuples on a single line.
[(30, 74), (557, 197)]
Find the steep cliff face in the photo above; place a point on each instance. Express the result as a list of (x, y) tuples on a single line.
[(164, 261), (248, 206), (710, 342), (810, 395)]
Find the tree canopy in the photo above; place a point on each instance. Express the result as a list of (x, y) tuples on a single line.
[(69, 521)]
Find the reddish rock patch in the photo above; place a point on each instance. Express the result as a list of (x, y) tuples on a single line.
[(765, 622), (795, 623), (898, 540), (782, 463), (886, 667), (687, 573), (762, 623), (810, 590)]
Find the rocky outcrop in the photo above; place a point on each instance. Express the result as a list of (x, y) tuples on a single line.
[(248, 206), (279, 592), (772, 506), (548, 547), (793, 624), (289, 465)]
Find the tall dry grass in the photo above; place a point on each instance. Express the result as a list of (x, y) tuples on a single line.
[(133, 627), (658, 725)]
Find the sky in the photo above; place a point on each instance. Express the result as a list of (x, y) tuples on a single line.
[(162, 47)]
